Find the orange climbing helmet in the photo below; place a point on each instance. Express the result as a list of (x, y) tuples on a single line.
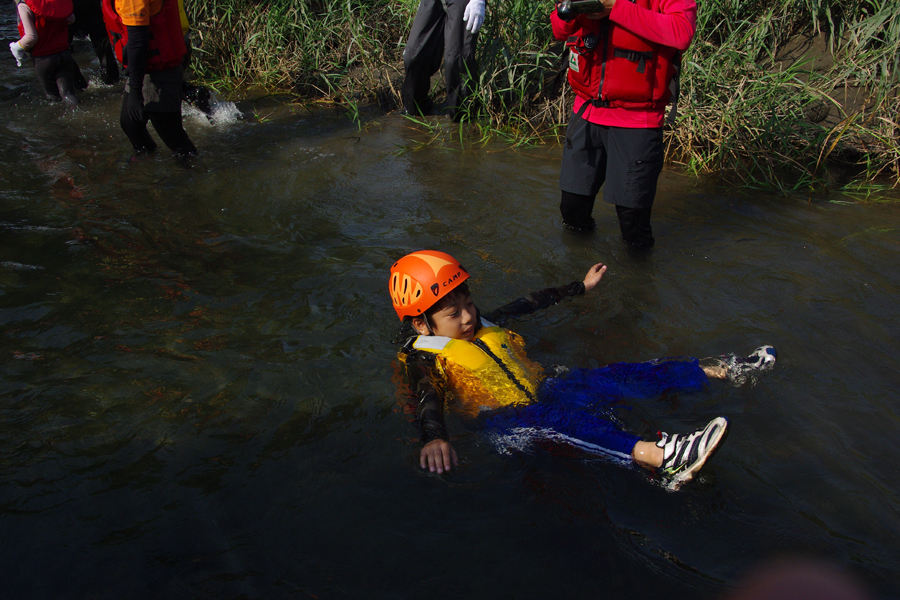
[(420, 279)]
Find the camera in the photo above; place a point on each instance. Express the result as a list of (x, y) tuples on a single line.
[(567, 10)]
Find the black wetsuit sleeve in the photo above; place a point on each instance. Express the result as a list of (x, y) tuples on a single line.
[(421, 368), (137, 51), (533, 302)]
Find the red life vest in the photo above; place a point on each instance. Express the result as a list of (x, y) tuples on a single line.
[(167, 47), (51, 24), (613, 67)]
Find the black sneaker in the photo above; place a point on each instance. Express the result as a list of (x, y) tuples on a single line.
[(685, 454)]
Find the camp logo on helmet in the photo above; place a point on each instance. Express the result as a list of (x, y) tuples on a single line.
[(435, 289), (450, 282)]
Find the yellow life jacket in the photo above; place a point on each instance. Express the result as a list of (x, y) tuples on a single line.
[(489, 372)]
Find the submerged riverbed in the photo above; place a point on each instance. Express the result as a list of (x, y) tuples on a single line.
[(199, 394)]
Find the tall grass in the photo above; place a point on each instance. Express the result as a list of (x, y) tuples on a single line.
[(749, 112), (519, 64), (749, 107), (312, 47)]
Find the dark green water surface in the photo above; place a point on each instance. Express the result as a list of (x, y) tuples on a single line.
[(198, 396)]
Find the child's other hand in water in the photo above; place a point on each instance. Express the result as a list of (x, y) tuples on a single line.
[(438, 456), (593, 277)]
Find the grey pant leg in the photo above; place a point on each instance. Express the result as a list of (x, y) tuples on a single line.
[(460, 65), (583, 169), (422, 56)]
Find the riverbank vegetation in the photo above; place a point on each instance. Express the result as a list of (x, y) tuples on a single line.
[(800, 94)]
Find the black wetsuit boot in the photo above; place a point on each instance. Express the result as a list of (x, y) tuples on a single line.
[(576, 211), (635, 226)]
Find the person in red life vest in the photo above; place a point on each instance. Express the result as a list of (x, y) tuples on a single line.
[(147, 39), (621, 63), (44, 31)]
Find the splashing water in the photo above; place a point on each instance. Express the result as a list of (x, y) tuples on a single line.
[(221, 113)]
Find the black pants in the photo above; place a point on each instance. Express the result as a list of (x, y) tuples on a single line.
[(56, 73), (89, 22), (625, 162), (438, 31), (167, 125)]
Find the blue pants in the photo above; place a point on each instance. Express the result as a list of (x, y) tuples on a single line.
[(570, 408)]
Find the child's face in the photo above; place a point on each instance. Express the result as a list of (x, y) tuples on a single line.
[(456, 320)]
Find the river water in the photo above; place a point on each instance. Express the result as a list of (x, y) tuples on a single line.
[(199, 396)]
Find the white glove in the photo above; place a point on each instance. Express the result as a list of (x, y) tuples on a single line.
[(21, 53), (474, 15)]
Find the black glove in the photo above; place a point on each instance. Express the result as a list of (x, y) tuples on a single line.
[(135, 104)]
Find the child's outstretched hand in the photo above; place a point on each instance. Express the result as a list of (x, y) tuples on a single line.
[(437, 456), (593, 277)]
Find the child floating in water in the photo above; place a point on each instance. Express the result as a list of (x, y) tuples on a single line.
[(44, 32), (452, 348)]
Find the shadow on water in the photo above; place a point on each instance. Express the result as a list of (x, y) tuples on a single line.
[(197, 395)]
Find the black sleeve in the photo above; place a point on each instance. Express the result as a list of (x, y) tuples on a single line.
[(137, 51), (533, 302), (420, 368)]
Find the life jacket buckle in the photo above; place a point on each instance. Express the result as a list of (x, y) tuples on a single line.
[(640, 58)]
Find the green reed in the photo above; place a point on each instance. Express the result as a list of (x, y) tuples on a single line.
[(748, 108), (771, 121), (315, 48)]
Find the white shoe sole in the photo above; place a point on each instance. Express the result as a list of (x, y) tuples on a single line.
[(684, 476)]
